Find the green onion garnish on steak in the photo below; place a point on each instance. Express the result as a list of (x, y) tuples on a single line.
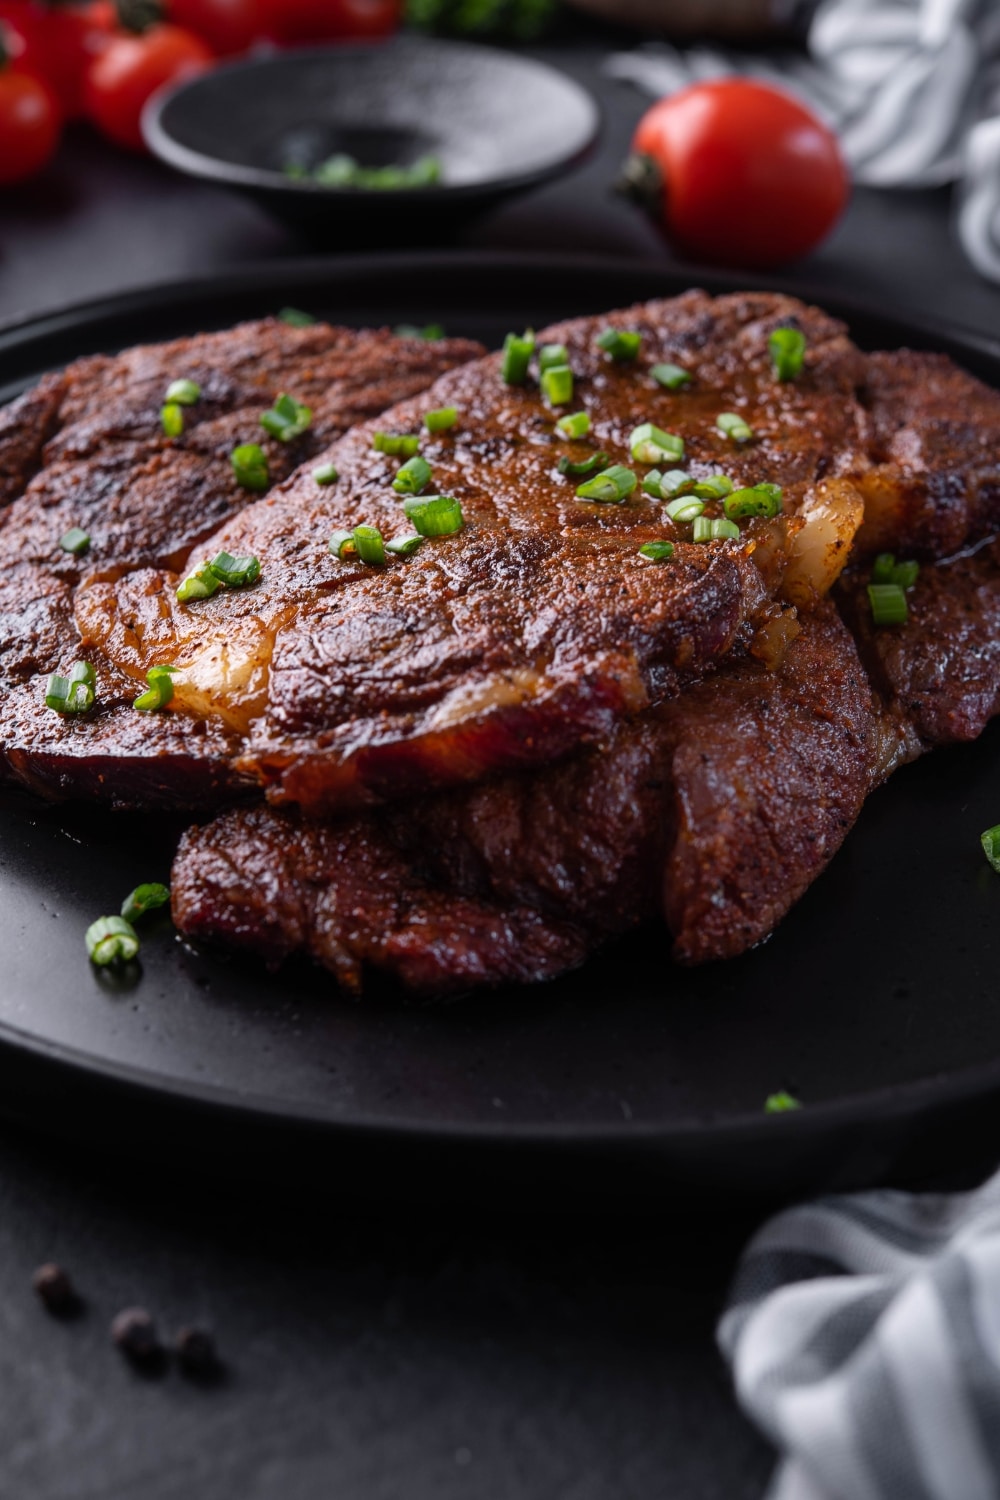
[(621, 343), (657, 551), (172, 419), (405, 546), (649, 444), (684, 509), (111, 940), (396, 444), (557, 385), (888, 603), (671, 377), (442, 419), (610, 487), (370, 546), (143, 899), (343, 546), (701, 531), (550, 356), (183, 392), (326, 474), (439, 516), (430, 331), (202, 583), (723, 528), (780, 1103), (990, 841), (235, 572), (414, 476), (517, 352), (732, 425), (157, 695), (758, 500), (296, 318), (287, 419), (75, 540), (886, 569), (73, 694), (249, 463), (576, 425), (582, 466), (787, 347)]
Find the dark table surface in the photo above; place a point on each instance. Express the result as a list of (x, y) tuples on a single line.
[(375, 1351)]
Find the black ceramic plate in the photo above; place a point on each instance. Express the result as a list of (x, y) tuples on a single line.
[(876, 1001), (498, 123)]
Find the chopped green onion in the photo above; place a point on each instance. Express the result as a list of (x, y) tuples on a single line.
[(652, 484), (343, 546), (684, 509), (172, 419), (582, 466), (788, 351), (73, 694), (675, 482), (183, 392), (326, 474), (701, 531), (758, 500), (888, 604), (610, 487), (550, 356), (575, 426), (731, 425), (75, 540), (411, 331), (396, 444), (780, 1103), (235, 572), (651, 445), (557, 385), (158, 695), (657, 551), (111, 940), (249, 463), (143, 899), (724, 528), (715, 487), (990, 841), (201, 584), (295, 318), (442, 419), (906, 574), (517, 354), (620, 343), (414, 476), (287, 419), (438, 516), (405, 546), (371, 548), (882, 568), (670, 376)]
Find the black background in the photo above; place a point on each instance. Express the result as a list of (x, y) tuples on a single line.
[(374, 1348)]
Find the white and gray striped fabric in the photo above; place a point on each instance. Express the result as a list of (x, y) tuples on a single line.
[(911, 86), (864, 1337)]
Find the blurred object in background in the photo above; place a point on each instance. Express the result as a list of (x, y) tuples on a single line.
[(722, 18), (912, 88), (518, 20)]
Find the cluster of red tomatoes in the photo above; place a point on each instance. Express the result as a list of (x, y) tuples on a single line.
[(61, 61)]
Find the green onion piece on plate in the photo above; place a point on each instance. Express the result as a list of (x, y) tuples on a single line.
[(370, 546), (75, 540), (675, 482), (326, 474), (552, 355), (202, 583), (343, 546), (649, 444), (758, 500), (517, 352), (442, 419), (405, 546), (715, 487), (780, 1103), (652, 483), (787, 347), (732, 425), (414, 476), (701, 531), (249, 463), (172, 419), (671, 377), (159, 692), (621, 343), (577, 425), (296, 318), (684, 509), (990, 841), (287, 419), (557, 385), (396, 444), (724, 529), (111, 940), (888, 604), (440, 515), (657, 551), (582, 466), (73, 694), (143, 899), (610, 487), (235, 572), (183, 392)]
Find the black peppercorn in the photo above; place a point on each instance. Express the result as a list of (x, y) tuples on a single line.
[(134, 1332), (195, 1350), (54, 1288)]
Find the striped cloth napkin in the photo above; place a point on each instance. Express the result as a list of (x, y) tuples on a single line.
[(864, 1337), (911, 86)]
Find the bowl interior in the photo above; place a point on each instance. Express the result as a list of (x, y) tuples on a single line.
[(487, 115)]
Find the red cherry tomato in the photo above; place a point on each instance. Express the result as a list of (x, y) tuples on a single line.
[(130, 69), (228, 26), (746, 175), (29, 124), (295, 21), (56, 43)]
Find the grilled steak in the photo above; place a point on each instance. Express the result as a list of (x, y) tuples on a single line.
[(716, 810), (86, 449)]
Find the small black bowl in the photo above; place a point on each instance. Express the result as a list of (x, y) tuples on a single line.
[(497, 122)]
